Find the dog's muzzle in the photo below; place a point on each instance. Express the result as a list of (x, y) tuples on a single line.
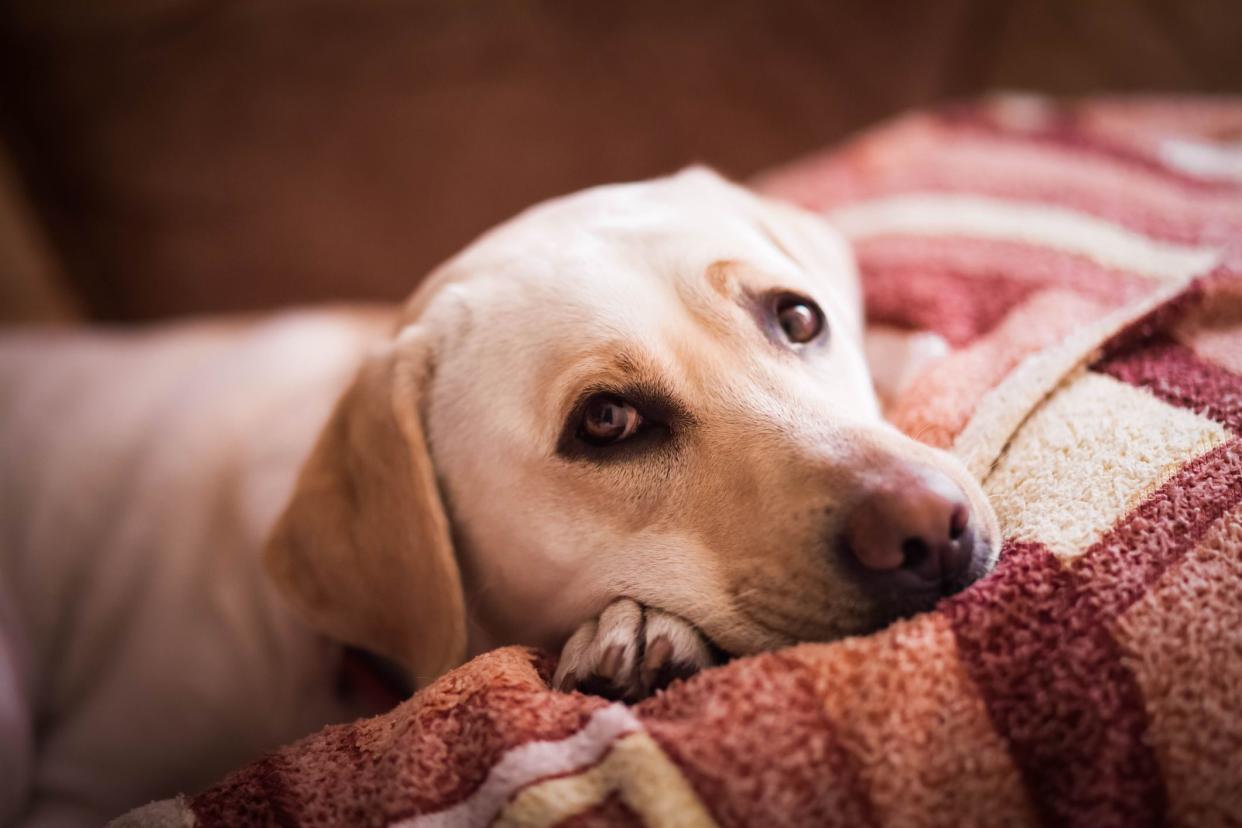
[(915, 534)]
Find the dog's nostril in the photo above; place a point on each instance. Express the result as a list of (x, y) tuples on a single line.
[(917, 526), (913, 552), (958, 521)]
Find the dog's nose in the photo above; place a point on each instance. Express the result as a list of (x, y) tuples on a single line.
[(919, 523)]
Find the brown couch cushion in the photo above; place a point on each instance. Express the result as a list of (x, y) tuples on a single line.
[(31, 287), (199, 156)]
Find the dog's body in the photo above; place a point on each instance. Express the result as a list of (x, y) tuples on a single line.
[(635, 422), (141, 475)]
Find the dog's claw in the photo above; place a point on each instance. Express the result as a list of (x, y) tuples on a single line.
[(630, 652), (658, 652), (610, 664), (656, 659)]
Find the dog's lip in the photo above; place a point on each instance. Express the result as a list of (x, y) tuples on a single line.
[(893, 604), (896, 596)]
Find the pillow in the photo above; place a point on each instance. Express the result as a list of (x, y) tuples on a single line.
[(1082, 265)]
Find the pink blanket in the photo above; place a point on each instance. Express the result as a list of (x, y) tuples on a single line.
[(1083, 266)]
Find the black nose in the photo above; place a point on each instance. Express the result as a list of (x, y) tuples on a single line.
[(917, 526)]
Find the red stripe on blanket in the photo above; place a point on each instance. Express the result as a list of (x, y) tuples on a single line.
[(430, 753), (1138, 121), (1160, 319), (1008, 168), (1120, 196), (1117, 570), (1066, 132), (950, 304), (1057, 689), (934, 156), (467, 737), (1176, 374), (979, 258), (961, 288), (757, 747), (256, 795)]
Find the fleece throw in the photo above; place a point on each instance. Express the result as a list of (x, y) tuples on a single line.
[(1080, 267)]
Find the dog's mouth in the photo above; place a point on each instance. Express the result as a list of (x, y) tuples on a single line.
[(910, 596), (904, 593), (878, 600)]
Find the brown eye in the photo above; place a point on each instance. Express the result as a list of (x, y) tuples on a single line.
[(608, 419), (799, 318)]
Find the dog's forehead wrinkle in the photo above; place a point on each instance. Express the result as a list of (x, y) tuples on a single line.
[(713, 303)]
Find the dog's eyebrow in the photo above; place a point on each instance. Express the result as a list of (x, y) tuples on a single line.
[(619, 370), (612, 357), (701, 297), (721, 278), (562, 375), (627, 363)]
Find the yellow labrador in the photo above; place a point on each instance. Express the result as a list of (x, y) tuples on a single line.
[(634, 424)]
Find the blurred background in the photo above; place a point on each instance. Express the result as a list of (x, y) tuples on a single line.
[(168, 157)]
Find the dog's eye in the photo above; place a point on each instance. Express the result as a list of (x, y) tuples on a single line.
[(608, 419), (800, 319)]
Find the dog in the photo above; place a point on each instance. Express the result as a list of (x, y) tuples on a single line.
[(634, 425)]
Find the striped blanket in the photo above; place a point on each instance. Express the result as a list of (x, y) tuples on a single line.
[(1080, 267)]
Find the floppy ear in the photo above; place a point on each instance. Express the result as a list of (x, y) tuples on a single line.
[(363, 549)]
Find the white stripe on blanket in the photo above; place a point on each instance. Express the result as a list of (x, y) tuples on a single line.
[(1059, 228), (530, 762)]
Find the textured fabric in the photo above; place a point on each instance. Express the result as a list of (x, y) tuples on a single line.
[(1088, 285)]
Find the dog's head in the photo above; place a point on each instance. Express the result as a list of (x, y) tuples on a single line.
[(654, 390)]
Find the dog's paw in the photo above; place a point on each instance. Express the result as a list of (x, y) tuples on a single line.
[(631, 651)]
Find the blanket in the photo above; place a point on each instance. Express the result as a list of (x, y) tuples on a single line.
[(1080, 267)]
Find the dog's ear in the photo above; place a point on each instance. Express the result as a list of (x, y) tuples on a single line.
[(363, 549), (819, 248)]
